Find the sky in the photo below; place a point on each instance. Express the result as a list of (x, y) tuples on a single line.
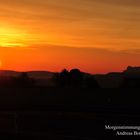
[(96, 36)]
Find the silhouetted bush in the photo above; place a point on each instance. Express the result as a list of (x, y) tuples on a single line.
[(23, 80), (56, 79), (6, 81), (131, 82), (91, 82)]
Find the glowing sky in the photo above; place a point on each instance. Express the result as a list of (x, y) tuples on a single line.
[(96, 36)]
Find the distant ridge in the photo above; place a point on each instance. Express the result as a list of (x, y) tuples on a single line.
[(32, 74), (109, 80), (132, 70), (47, 74), (8, 73)]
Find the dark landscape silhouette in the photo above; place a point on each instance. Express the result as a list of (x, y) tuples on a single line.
[(129, 78), (71, 105)]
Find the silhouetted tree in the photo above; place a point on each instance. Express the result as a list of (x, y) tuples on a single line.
[(76, 78), (64, 78)]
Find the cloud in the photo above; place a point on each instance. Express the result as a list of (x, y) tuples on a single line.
[(131, 51), (47, 10), (101, 23), (121, 2)]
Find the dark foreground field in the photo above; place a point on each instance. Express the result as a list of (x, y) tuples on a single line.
[(69, 114)]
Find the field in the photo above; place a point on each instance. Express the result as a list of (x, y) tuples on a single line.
[(65, 113)]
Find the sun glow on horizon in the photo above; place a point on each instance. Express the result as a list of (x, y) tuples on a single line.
[(10, 37)]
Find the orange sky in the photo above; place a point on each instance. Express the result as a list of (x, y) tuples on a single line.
[(96, 36)]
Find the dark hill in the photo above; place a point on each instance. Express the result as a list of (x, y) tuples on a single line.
[(32, 74)]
